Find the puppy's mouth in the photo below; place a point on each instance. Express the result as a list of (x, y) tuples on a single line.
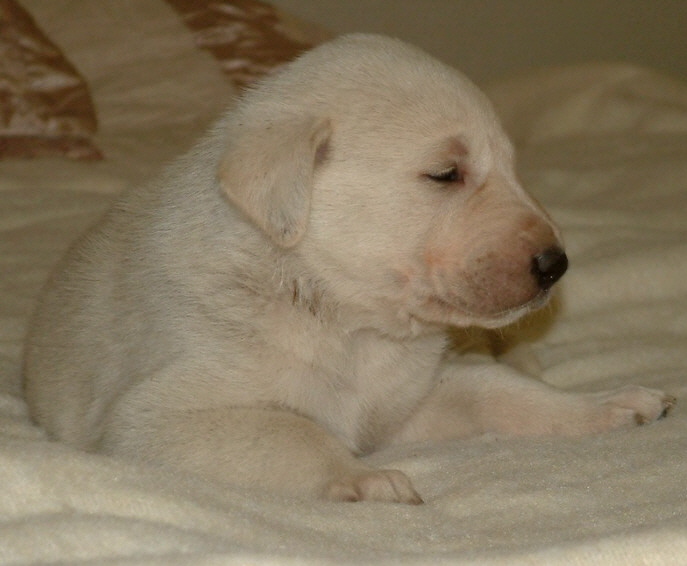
[(437, 310)]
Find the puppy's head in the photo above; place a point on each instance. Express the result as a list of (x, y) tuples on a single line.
[(388, 179)]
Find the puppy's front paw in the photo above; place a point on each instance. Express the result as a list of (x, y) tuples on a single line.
[(633, 405), (374, 485)]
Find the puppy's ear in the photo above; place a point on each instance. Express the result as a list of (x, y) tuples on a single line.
[(267, 172)]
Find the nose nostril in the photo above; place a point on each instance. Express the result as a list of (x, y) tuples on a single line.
[(549, 266)]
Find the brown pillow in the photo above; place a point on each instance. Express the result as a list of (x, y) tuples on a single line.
[(45, 106), (248, 37)]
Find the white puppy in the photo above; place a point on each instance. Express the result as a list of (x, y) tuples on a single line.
[(277, 302)]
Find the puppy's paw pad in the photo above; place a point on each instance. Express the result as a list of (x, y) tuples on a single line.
[(390, 486), (635, 405)]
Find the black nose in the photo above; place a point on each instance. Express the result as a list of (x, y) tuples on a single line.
[(549, 266)]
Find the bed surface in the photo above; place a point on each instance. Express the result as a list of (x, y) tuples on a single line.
[(603, 147)]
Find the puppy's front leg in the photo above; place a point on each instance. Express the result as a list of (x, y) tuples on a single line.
[(263, 449), (475, 396)]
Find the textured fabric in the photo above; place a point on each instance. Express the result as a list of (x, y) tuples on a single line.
[(249, 38), (45, 106)]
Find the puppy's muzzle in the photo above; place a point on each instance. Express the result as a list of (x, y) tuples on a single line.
[(549, 266)]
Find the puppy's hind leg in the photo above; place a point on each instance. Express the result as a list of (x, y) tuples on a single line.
[(270, 450), (476, 396)]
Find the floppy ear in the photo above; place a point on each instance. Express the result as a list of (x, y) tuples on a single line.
[(267, 172)]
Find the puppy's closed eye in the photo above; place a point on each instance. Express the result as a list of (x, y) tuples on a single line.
[(449, 175)]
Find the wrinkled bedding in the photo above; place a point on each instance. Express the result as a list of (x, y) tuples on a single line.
[(604, 147)]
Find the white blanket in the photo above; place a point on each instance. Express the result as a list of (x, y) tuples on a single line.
[(603, 147)]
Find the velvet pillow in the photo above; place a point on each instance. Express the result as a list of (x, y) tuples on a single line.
[(45, 106)]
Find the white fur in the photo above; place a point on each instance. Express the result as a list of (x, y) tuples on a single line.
[(277, 302)]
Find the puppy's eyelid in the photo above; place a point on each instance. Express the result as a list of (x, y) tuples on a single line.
[(450, 175)]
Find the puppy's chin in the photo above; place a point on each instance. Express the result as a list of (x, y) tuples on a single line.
[(438, 311)]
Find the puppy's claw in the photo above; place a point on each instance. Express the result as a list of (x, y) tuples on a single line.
[(668, 403), (643, 405), (390, 486)]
